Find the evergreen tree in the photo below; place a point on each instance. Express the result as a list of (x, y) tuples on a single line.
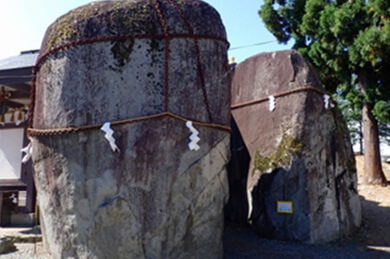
[(348, 42), (352, 113)]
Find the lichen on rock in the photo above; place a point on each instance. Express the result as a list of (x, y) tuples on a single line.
[(287, 148), (155, 198), (122, 17)]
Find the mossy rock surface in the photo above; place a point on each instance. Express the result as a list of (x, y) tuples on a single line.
[(114, 18), (155, 193), (288, 147)]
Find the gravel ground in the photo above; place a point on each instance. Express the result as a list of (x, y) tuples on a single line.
[(25, 245), (371, 241), (242, 242), (27, 251)]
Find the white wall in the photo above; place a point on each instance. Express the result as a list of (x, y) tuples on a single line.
[(11, 142), (385, 152)]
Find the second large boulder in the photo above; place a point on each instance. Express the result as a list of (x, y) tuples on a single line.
[(302, 181)]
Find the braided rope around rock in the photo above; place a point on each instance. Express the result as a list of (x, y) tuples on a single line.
[(63, 131), (278, 95), (41, 60), (166, 36)]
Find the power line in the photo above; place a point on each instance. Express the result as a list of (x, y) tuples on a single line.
[(252, 45)]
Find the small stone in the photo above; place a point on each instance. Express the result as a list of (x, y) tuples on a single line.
[(7, 245)]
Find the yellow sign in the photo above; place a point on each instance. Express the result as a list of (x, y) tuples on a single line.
[(285, 207)]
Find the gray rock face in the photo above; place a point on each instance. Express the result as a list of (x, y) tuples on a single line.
[(300, 152), (155, 198)]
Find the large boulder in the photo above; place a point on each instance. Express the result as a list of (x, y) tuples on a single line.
[(147, 67), (302, 180)]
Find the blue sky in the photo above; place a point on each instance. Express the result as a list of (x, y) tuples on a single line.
[(24, 22)]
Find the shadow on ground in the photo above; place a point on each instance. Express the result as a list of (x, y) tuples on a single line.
[(375, 229), (33, 231), (372, 240)]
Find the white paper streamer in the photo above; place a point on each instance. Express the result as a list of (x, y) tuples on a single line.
[(28, 152), (272, 105), (326, 101), (13, 198), (193, 145), (107, 129)]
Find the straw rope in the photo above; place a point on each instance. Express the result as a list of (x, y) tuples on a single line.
[(69, 130), (198, 57), (166, 36), (278, 95)]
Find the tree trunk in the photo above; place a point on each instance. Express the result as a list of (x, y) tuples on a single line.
[(373, 173), (361, 137)]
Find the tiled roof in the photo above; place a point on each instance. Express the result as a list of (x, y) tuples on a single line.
[(25, 59)]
